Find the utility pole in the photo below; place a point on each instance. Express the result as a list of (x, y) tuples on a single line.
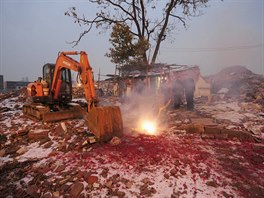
[(98, 82)]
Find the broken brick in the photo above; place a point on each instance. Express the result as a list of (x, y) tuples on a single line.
[(38, 134), (212, 130), (92, 179), (76, 189)]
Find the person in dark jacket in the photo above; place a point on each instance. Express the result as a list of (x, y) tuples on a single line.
[(178, 91), (189, 88)]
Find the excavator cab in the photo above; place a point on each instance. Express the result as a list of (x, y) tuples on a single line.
[(65, 93)]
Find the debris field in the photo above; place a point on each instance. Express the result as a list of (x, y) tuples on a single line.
[(217, 150)]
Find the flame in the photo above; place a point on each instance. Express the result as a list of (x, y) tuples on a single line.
[(149, 127)]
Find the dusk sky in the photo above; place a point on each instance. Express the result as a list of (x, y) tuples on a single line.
[(230, 32)]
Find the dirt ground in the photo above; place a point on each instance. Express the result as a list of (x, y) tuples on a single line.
[(195, 154)]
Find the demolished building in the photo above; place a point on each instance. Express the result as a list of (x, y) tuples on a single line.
[(161, 72)]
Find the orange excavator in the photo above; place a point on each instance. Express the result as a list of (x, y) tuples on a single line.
[(52, 97)]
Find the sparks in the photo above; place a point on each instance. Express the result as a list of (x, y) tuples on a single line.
[(149, 127)]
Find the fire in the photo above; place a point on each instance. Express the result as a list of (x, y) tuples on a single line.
[(149, 127)]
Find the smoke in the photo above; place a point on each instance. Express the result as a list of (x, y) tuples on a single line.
[(141, 106)]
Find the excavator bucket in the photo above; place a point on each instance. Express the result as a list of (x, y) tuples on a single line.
[(105, 122)]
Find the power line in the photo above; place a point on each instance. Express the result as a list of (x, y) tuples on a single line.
[(214, 49)]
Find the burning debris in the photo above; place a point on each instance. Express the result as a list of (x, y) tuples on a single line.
[(177, 153), (149, 127)]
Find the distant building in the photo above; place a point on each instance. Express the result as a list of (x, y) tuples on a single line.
[(1, 82), (15, 85), (202, 88)]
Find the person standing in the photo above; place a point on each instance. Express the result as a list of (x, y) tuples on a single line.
[(189, 88), (177, 91)]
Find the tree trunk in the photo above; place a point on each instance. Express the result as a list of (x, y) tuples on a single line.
[(162, 31)]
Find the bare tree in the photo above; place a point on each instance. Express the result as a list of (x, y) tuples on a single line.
[(152, 21)]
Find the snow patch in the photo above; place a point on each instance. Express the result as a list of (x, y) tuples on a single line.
[(34, 152), (4, 160)]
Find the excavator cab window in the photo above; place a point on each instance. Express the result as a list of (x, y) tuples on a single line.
[(65, 94), (48, 70), (66, 81)]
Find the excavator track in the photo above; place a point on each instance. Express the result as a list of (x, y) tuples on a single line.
[(45, 114)]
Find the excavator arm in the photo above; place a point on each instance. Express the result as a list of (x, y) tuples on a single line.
[(104, 122), (83, 68)]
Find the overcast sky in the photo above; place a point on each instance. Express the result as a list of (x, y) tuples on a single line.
[(34, 31)]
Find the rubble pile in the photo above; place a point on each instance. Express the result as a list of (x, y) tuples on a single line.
[(77, 92), (217, 150), (22, 93), (238, 81)]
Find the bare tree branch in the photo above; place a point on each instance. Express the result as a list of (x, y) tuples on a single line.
[(180, 18), (134, 13)]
